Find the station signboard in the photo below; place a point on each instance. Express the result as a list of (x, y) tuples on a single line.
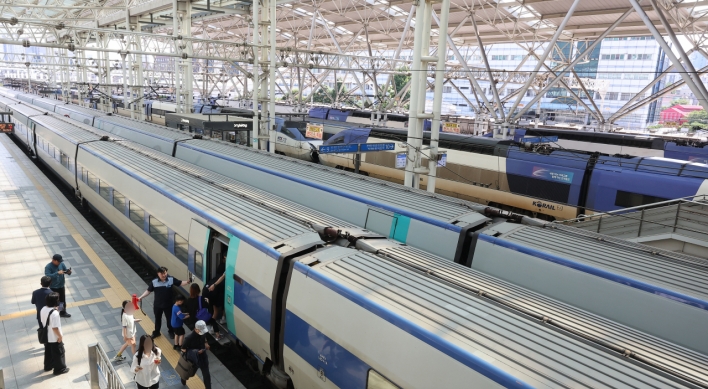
[(7, 127), (451, 127), (314, 131)]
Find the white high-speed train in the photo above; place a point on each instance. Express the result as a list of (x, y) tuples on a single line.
[(324, 304)]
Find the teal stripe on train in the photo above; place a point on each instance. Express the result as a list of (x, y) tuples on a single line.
[(399, 227)]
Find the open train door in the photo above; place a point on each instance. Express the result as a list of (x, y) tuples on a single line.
[(198, 238)]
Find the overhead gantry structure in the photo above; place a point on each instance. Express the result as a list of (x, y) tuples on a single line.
[(260, 49)]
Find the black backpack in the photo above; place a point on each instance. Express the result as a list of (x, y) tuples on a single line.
[(43, 332)]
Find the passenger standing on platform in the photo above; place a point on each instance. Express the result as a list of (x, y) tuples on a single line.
[(195, 347), (128, 322), (178, 317), (146, 364), (56, 270), (162, 286), (54, 349), (39, 296)]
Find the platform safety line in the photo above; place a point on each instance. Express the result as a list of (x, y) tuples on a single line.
[(31, 312), (146, 323)]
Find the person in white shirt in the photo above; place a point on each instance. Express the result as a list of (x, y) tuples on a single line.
[(128, 322), (54, 350), (146, 364)]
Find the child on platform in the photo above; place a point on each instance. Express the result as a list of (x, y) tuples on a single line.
[(129, 330), (178, 321)]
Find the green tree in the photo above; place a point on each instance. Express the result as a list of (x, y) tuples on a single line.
[(400, 81), (679, 101), (694, 126), (698, 116), (339, 94)]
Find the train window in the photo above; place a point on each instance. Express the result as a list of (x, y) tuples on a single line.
[(629, 199), (158, 231), (198, 264), (377, 381), (181, 249), (104, 190), (119, 201), (137, 215), (287, 132), (92, 181), (63, 159)]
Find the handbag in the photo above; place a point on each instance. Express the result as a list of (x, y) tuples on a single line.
[(185, 368), (43, 332), (203, 313)]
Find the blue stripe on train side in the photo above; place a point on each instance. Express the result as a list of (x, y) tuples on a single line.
[(226, 226), (340, 366), (443, 345), (253, 303), (404, 212), (614, 277)]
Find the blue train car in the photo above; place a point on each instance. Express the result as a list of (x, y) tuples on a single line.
[(557, 176), (629, 182), (697, 153)]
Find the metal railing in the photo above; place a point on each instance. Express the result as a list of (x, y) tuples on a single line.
[(686, 216), (101, 372)]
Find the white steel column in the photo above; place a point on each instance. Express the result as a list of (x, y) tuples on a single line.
[(419, 81), (255, 20), (437, 99), (271, 78)]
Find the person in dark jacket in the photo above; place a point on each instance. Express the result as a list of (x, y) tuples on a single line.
[(195, 347), (56, 270), (192, 307), (39, 296)]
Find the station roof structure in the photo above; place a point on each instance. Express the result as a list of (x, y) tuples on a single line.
[(327, 25)]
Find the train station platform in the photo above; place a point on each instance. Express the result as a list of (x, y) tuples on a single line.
[(36, 221)]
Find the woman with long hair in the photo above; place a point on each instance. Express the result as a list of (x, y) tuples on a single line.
[(146, 364)]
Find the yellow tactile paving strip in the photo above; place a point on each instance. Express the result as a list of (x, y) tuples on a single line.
[(116, 294)]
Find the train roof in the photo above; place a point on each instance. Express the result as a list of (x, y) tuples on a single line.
[(81, 110), (28, 110), (5, 101), (654, 165), (41, 102), (508, 348), (9, 92), (150, 129), (71, 130), (368, 189), (475, 144), (609, 138), (673, 272), (658, 351)]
